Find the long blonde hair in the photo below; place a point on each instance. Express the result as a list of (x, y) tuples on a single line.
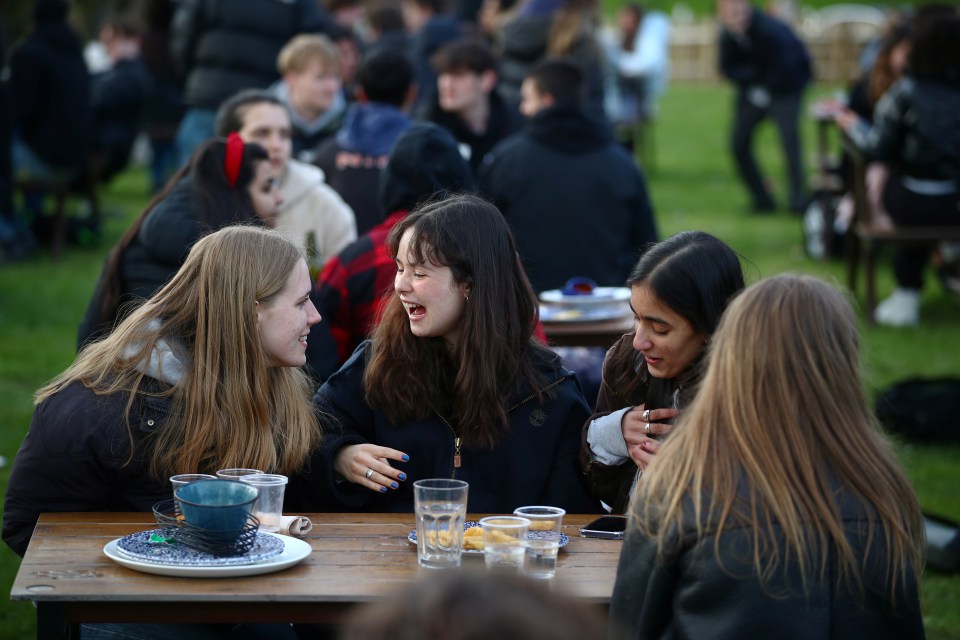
[(228, 409), (781, 420)]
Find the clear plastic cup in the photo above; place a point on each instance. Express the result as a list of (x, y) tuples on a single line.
[(236, 474), (504, 542), (269, 506), (543, 540), (181, 479)]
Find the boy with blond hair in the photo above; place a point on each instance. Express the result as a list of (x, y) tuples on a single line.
[(311, 88)]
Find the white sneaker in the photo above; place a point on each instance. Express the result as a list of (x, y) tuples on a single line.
[(901, 309)]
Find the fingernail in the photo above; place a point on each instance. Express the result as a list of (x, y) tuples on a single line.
[(406, 458), (394, 485), (403, 476), (383, 489)]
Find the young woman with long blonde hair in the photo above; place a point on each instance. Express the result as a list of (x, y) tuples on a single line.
[(201, 376), (776, 508)]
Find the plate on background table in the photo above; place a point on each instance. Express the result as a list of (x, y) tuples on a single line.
[(412, 537), (294, 551), (600, 295), (552, 313)]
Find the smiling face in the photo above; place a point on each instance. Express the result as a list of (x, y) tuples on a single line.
[(433, 300), (668, 342), (285, 320), (264, 196), (268, 125)]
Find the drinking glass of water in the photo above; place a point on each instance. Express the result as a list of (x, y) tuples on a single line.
[(441, 508)]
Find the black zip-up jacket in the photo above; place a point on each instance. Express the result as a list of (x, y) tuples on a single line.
[(535, 463)]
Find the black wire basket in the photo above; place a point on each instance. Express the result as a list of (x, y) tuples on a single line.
[(218, 543)]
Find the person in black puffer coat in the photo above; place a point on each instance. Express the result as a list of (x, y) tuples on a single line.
[(222, 47)]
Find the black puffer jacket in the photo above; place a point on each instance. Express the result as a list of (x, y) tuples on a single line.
[(223, 46), (576, 202), (50, 94), (689, 594), (916, 128), (75, 458)]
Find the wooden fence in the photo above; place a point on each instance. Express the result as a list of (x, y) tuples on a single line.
[(834, 37)]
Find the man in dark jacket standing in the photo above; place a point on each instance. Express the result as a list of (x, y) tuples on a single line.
[(223, 47), (575, 199), (770, 67)]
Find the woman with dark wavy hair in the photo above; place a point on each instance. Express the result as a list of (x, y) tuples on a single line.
[(678, 290), (453, 383)]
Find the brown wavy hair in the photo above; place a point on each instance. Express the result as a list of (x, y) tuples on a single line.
[(781, 419), (229, 408), (409, 377)]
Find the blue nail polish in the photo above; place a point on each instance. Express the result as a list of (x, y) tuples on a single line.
[(383, 489), (403, 476), (394, 485), (406, 458)]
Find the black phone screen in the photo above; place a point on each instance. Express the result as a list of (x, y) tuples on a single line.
[(613, 524)]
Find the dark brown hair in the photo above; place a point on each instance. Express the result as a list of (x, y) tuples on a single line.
[(409, 377)]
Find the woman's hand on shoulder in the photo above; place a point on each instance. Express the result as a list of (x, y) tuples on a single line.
[(368, 465)]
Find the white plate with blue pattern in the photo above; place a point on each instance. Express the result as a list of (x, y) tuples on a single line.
[(293, 551)]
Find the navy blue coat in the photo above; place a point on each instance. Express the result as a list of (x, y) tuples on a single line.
[(574, 198), (769, 55), (536, 463), (50, 94)]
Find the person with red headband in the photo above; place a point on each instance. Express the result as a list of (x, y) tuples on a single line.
[(227, 182)]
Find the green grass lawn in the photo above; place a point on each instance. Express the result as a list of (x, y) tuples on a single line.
[(693, 187)]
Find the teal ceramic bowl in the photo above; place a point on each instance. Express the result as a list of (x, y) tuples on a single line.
[(219, 506)]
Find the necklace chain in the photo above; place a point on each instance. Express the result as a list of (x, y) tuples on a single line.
[(457, 460)]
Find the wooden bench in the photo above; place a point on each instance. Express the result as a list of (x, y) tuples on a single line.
[(864, 240), (85, 185)]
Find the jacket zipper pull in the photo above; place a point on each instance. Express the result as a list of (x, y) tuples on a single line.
[(456, 453)]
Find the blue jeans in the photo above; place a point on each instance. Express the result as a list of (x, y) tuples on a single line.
[(195, 128)]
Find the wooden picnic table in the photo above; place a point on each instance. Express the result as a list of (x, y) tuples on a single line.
[(355, 558)]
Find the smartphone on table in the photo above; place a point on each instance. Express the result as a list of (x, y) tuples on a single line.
[(608, 527)]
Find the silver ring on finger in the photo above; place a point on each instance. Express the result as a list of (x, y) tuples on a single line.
[(368, 474), (646, 416), (646, 429)]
